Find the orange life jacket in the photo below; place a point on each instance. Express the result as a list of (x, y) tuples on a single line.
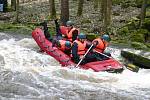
[(100, 46), (69, 34), (62, 45), (81, 47)]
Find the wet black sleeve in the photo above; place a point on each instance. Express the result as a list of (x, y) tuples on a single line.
[(45, 28), (75, 52), (54, 42), (58, 32), (68, 52), (74, 35)]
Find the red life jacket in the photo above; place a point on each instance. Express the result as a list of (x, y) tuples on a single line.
[(100, 46), (63, 29), (81, 47)]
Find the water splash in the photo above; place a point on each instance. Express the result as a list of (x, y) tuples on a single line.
[(28, 74)]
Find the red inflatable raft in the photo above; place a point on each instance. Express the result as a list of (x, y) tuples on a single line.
[(45, 45)]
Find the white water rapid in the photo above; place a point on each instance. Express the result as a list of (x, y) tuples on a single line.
[(26, 74)]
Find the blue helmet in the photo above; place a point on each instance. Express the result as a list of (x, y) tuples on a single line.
[(69, 23), (106, 37), (82, 36), (67, 44)]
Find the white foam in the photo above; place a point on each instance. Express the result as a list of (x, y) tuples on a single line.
[(23, 56)]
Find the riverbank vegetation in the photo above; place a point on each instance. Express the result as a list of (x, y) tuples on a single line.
[(127, 21)]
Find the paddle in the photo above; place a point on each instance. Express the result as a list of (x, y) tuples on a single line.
[(84, 56), (131, 68)]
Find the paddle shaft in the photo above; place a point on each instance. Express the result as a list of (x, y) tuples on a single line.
[(106, 55), (84, 56), (103, 54)]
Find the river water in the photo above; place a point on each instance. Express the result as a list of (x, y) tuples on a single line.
[(26, 74)]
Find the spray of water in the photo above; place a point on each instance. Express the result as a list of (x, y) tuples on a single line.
[(29, 74)]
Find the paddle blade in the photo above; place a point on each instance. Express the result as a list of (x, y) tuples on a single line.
[(132, 67)]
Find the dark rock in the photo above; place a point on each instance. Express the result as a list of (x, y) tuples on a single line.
[(141, 61)]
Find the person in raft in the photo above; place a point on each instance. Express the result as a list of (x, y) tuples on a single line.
[(63, 45), (100, 45), (69, 31), (48, 36), (57, 41), (79, 48)]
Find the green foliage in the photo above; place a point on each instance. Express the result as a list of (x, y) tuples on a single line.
[(9, 9), (52, 30), (148, 13), (137, 37), (96, 2), (142, 31), (139, 3), (84, 21), (138, 45), (17, 28), (126, 3), (123, 31), (117, 2), (116, 13), (24, 30), (146, 24), (122, 41), (6, 26), (148, 45), (141, 35), (91, 36), (50, 17), (31, 26), (133, 23)]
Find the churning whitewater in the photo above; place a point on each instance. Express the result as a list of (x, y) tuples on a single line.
[(27, 74)]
